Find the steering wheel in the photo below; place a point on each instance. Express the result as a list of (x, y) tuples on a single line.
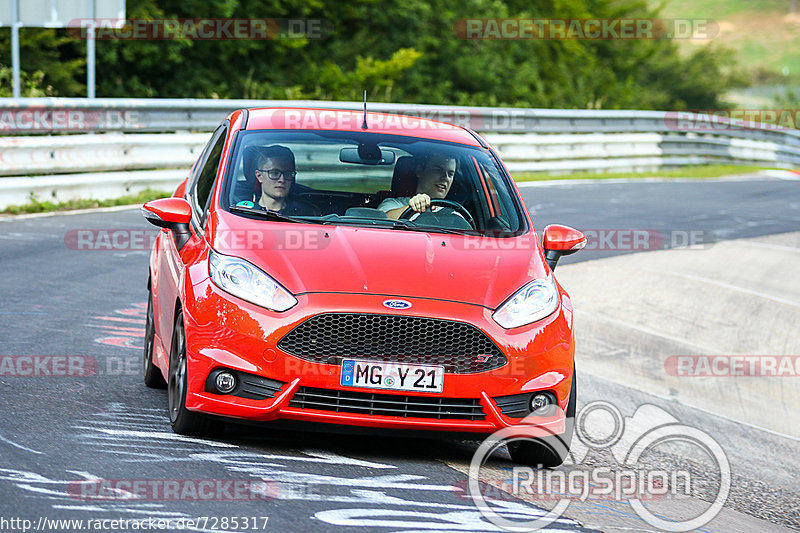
[(455, 206)]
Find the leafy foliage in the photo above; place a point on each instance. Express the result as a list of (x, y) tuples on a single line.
[(403, 52), (51, 63)]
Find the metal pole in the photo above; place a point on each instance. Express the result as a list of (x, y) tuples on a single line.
[(15, 48), (90, 51)]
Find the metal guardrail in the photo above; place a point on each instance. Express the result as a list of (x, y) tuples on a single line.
[(168, 136), (101, 152), (17, 116)]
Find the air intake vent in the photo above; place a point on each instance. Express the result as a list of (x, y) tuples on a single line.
[(387, 404)]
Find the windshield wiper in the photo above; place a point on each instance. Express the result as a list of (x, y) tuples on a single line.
[(336, 220), (401, 225), (265, 214)]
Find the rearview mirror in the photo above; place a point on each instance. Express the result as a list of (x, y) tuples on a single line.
[(367, 155), (561, 240), (173, 214)]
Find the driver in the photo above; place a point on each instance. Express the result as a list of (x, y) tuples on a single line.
[(434, 177)]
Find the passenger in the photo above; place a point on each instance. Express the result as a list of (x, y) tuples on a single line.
[(275, 172), (434, 178)]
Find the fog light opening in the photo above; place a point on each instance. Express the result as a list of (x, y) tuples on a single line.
[(541, 403), (225, 382)]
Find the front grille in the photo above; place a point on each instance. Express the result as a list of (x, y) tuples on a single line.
[(328, 338), (387, 404)]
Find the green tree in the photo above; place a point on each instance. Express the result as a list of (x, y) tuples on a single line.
[(51, 63), (404, 52)]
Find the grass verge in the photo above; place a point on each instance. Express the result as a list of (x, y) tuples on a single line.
[(699, 171), (36, 206)]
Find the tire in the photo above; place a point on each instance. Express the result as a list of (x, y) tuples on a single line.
[(184, 422), (548, 452), (152, 374)]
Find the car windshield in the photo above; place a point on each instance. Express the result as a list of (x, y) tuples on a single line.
[(367, 179)]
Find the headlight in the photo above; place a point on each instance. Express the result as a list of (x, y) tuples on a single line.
[(248, 282), (533, 302)]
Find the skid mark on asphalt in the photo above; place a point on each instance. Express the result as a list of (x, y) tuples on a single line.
[(338, 490), (58, 490), (125, 328), (20, 446)]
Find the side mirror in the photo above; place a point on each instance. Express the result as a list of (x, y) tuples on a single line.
[(561, 240), (173, 214)]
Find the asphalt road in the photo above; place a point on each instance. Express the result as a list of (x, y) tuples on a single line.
[(695, 212), (66, 442)]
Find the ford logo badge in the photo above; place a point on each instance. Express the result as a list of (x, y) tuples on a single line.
[(396, 304)]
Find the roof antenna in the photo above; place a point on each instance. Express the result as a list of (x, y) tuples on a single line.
[(364, 124)]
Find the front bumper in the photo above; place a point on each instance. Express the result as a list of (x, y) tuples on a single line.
[(224, 331)]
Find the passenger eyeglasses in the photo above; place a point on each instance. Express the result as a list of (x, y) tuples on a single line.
[(275, 174)]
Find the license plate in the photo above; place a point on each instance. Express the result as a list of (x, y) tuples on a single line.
[(392, 376)]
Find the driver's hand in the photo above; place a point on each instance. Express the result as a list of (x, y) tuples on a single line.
[(420, 202)]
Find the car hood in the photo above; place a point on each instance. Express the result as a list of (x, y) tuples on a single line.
[(308, 258)]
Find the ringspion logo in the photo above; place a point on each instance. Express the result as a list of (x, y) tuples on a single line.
[(630, 478)]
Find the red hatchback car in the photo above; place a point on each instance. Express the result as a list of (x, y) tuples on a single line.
[(363, 270)]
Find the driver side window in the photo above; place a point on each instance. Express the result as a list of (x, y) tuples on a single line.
[(207, 175)]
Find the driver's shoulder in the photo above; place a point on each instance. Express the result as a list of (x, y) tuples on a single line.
[(394, 202)]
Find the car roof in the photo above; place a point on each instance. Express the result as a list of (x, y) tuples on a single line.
[(302, 118)]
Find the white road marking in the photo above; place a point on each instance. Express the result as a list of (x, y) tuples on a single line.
[(158, 435), (723, 285), (638, 328), (20, 446)]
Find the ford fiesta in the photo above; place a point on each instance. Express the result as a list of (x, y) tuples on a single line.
[(362, 270)]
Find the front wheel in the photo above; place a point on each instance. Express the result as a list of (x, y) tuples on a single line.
[(183, 421), (548, 452), (152, 374)]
